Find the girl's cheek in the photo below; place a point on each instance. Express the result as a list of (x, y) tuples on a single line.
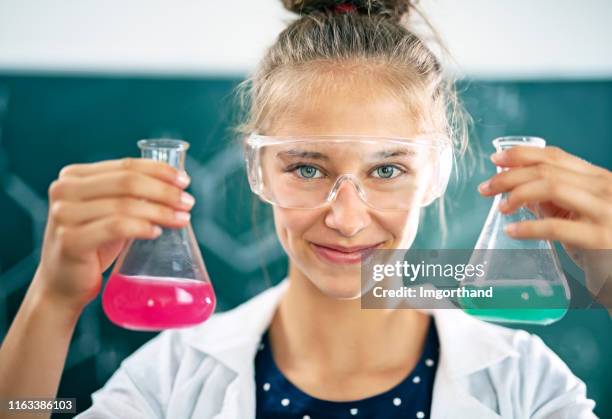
[(292, 223), (403, 226)]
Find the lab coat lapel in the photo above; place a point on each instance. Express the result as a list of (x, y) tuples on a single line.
[(239, 400), (451, 400), (233, 340), (467, 346)]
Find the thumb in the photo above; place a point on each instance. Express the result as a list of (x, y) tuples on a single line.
[(107, 253)]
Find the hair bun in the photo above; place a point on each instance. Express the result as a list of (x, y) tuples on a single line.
[(393, 9)]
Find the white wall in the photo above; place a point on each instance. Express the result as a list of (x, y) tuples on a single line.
[(489, 38)]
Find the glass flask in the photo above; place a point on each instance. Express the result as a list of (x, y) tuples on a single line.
[(160, 283), (524, 276)]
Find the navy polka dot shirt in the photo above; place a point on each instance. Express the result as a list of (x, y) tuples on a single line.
[(278, 398)]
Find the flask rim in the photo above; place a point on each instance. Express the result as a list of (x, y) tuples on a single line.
[(164, 143), (519, 140)]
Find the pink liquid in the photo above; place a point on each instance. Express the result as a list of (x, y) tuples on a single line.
[(145, 303)]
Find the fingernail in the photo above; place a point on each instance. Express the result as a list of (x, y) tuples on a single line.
[(157, 231), (183, 179), (511, 229), (485, 186), (498, 157), (504, 206), (182, 216), (187, 199)]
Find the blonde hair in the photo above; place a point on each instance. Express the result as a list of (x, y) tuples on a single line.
[(361, 37)]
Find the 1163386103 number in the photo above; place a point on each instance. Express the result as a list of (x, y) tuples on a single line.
[(57, 405)]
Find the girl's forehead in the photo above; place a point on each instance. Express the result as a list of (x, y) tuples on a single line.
[(354, 110)]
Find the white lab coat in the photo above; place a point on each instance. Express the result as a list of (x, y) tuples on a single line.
[(204, 372)]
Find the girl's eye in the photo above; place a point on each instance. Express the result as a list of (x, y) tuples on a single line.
[(387, 172), (308, 172)]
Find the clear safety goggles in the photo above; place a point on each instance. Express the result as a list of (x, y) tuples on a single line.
[(312, 171)]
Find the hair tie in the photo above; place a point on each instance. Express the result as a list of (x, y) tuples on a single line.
[(344, 8)]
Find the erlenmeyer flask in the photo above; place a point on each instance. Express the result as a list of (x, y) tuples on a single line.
[(525, 276), (161, 283)]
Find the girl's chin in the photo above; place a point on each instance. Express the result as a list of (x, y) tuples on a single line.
[(339, 287)]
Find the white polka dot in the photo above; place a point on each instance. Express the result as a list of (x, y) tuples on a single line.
[(285, 402), (429, 362), (305, 417), (420, 415), (150, 302), (397, 401), (416, 380), (261, 346), (208, 300), (354, 411), (266, 386)]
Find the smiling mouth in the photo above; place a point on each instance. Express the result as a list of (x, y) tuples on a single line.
[(343, 255)]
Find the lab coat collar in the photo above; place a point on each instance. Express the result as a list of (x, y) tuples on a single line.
[(232, 337), (467, 345)]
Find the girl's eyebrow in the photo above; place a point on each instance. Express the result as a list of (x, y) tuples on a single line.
[(315, 155), (385, 154), (303, 154)]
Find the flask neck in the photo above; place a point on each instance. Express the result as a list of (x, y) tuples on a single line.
[(170, 151), (505, 143)]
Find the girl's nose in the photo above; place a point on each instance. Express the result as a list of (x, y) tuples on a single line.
[(348, 214)]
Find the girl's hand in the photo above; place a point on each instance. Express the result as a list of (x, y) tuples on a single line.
[(573, 197), (93, 209)]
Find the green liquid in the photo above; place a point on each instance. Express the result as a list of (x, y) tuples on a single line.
[(517, 301)]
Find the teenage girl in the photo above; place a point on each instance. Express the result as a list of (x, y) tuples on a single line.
[(305, 349)]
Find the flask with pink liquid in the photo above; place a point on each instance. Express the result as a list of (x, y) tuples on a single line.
[(161, 283)]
